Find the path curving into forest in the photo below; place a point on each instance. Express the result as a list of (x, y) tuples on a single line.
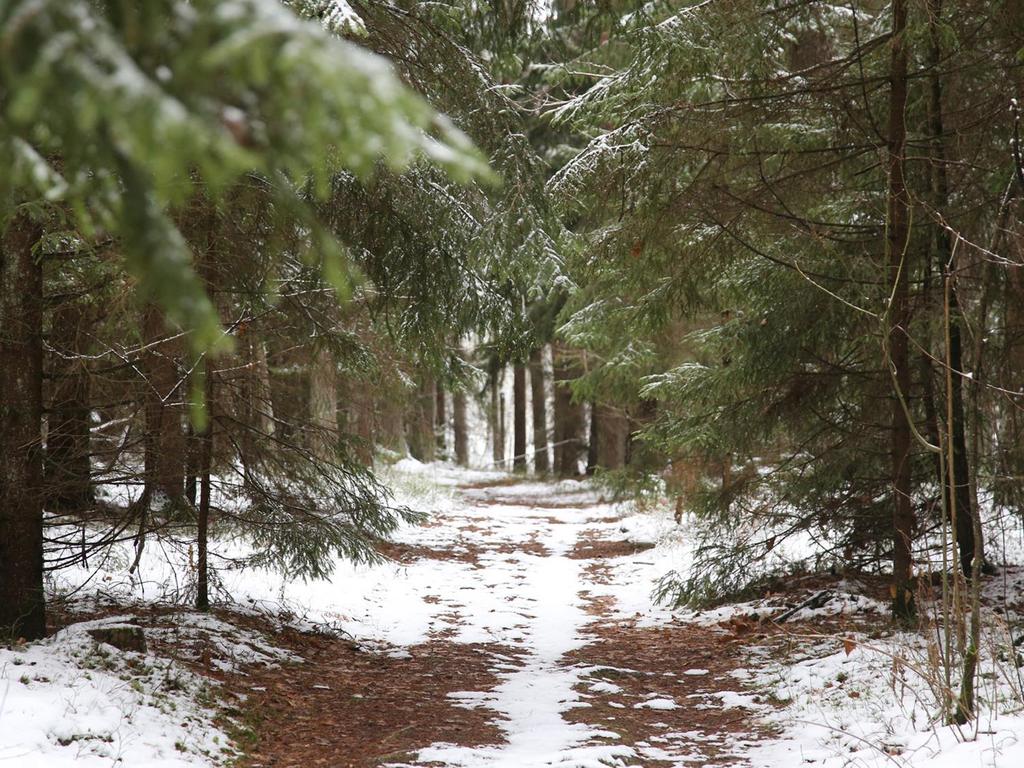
[(542, 652)]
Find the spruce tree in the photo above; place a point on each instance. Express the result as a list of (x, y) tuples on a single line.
[(121, 114)]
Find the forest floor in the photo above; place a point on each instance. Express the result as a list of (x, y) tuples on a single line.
[(567, 676), (514, 629)]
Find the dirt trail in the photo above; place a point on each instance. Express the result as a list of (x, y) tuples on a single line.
[(570, 680)]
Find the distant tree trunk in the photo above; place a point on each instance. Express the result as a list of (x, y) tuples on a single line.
[(264, 401), (612, 436), (22, 602), (568, 415), (897, 252), (502, 429), (495, 417), (640, 416), (1010, 423), (593, 437), (441, 423), (323, 404), (205, 467), (67, 467), (359, 411), (192, 461), (958, 487), (460, 427), (255, 404), (391, 424), (519, 418), (538, 398), (420, 422), (165, 441)]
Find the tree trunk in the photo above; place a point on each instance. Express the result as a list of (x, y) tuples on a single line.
[(22, 601), (323, 404), (495, 417), (205, 466), (193, 458), (897, 259), (519, 418), (502, 428), (263, 396), (391, 424), (67, 467), (461, 428), (958, 490), (165, 441), (441, 423), (359, 411), (1011, 424), (594, 436), (420, 422), (254, 403), (612, 436), (538, 400), (569, 416)]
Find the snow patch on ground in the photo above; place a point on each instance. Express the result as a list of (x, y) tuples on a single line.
[(657, 703), (870, 702), (70, 701)]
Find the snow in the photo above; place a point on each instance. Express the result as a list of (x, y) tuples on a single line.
[(657, 703), (70, 701), (531, 699), (873, 706), (502, 576), (339, 16)]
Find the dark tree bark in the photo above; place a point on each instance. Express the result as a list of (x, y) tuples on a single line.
[(205, 467), (264, 405), (255, 402), (420, 422), (538, 402), (359, 412), (569, 416), (441, 422), (22, 601), (519, 418), (192, 462), (165, 442), (595, 428), (897, 253), (460, 428), (1011, 424), (612, 436), (323, 404), (67, 466), (502, 421), (495, 415), (960, 508), (390, 425)]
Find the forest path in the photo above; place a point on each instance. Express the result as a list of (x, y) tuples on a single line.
[(541, 651)]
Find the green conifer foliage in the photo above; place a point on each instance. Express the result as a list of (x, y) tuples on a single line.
[(730, 203), (121, 110)]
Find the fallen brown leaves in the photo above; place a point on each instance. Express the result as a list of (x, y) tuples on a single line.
[(348, 708), (643, 662), (594, 549)]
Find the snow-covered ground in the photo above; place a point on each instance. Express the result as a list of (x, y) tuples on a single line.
[(501, 574), (870, 704), (74, 701)]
